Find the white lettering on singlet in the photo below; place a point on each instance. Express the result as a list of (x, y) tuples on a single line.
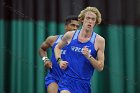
[(78, 49), (63, 52)]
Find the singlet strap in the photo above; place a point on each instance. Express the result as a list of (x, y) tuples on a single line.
[(59, 38), (92, 40), (76, 34)]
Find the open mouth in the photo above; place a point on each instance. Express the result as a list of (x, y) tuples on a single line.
[(89, 25)]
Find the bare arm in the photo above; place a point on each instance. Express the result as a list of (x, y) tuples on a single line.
[(99, 62), (44, 46), (65, 40)]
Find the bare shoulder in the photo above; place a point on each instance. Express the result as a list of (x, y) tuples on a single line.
[(100, 39), (69, 34), (51, 39), (99, 42)]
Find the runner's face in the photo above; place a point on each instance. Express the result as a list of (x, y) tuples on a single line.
[(74, 25), (89, 20)]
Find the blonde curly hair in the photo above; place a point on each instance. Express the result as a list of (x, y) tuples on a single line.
[(92, 9)]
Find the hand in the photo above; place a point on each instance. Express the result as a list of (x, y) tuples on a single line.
[(63, 64), (85, 52), (48, 64)]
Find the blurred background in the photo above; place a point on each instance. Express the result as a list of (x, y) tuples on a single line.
[(24, 25)]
